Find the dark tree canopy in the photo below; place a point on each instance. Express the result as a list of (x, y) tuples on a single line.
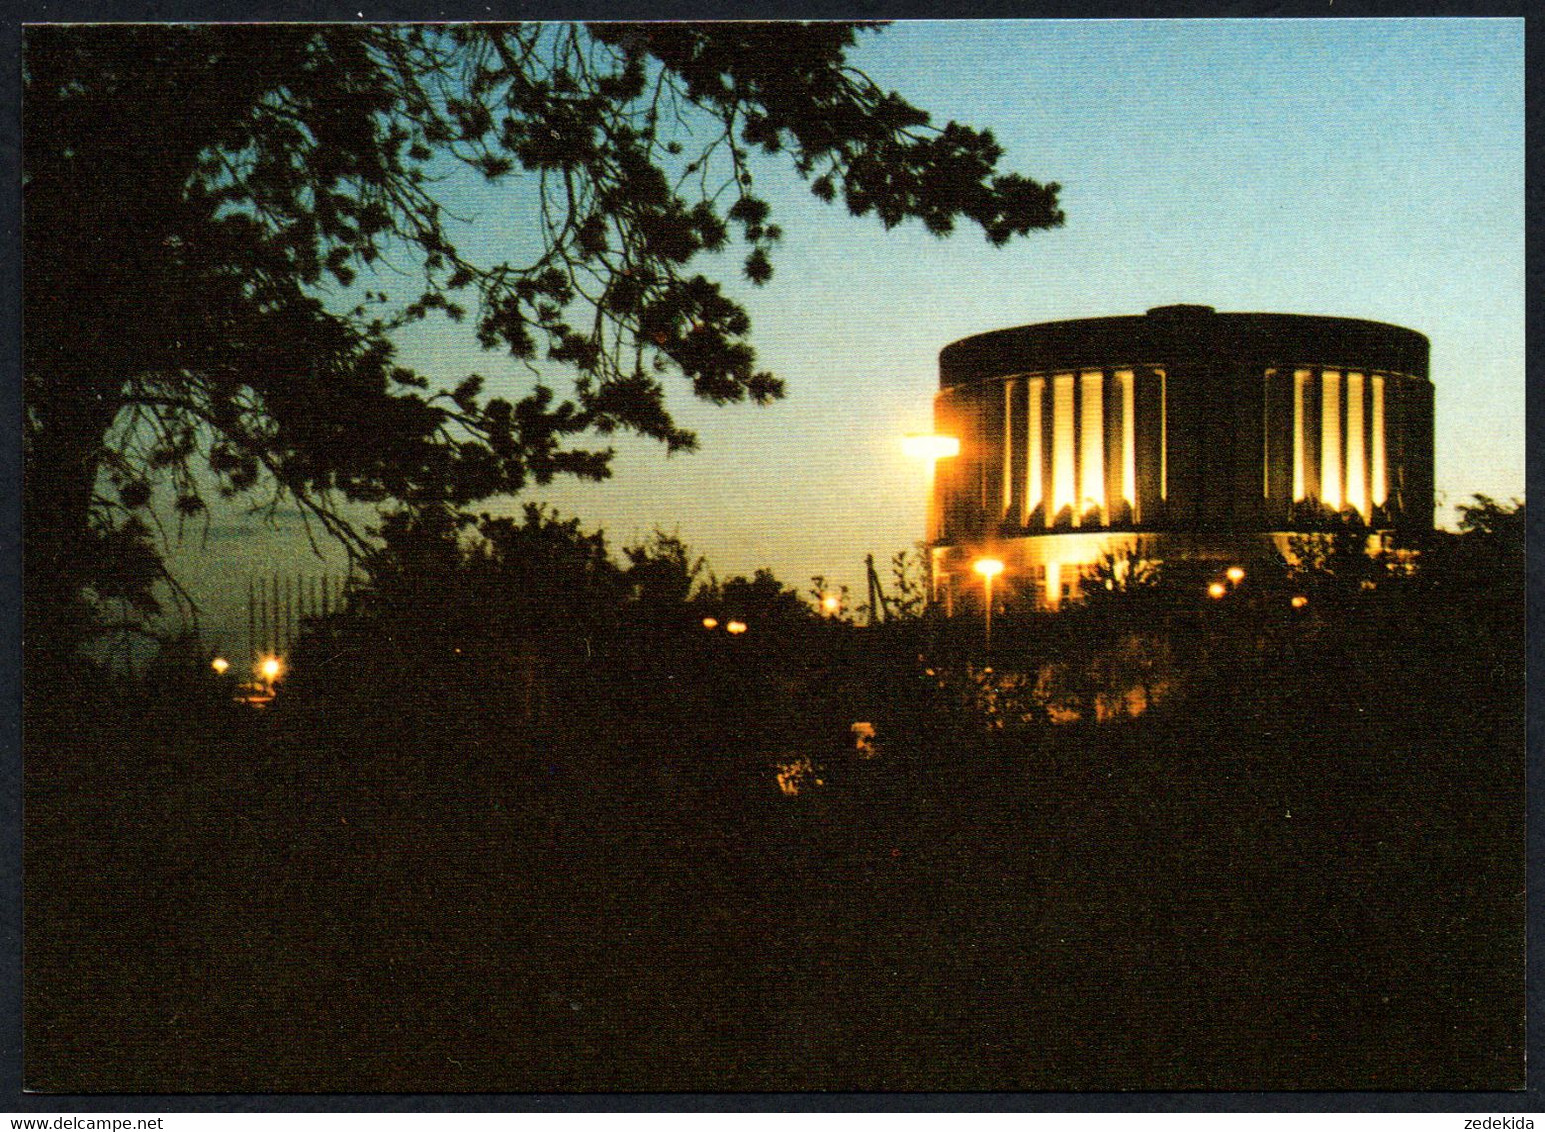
[(196, 198)]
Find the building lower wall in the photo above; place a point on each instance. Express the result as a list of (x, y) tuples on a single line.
[(1043, 571)]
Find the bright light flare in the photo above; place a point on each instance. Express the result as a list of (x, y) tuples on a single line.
[(270, 668), (735, 628), (1299, 601), (988, 567), (926, 446), (1236, 574), (830, 603), (710, 622), (220, 665), (1216, 590)]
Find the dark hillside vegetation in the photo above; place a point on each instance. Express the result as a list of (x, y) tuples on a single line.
[(1303, 869)]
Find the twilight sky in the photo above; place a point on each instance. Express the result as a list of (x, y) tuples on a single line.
[(1364, 168)]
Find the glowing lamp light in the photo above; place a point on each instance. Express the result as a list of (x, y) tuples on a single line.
[(988, 568), (710, 622), (220, 665), (1216, 590), (830, 603), (735, 628), (1236, 574), (1299, 601), (270, 667), (926, 446)]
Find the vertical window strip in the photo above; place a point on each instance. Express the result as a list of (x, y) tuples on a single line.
[(1128, 438), (1300, 459), (1091, 441), (1357, 487), (1332, 451), (1379, 488), (1062, 444), (1163, 434), (1035, 491)]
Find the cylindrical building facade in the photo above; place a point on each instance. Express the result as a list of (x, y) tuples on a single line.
[(1190, 431)]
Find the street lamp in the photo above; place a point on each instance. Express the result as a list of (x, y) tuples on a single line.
[(270, 668), (830, 604), (1235, 574), (988, 568), (1216, 590), (220, 665)]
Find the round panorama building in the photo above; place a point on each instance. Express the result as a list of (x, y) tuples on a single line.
[(1182, 432)]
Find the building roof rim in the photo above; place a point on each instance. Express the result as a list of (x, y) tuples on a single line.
[(953, 354), (1169, 313)]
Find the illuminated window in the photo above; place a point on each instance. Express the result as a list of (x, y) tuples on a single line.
[(1300, 468), (1062, 443), (1091, 445), (1128, 437), (1163, 434), (1357, 492), (1331, 453), (1035, 490), (1379, 488)]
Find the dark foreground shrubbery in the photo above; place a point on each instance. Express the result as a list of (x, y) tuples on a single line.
[(1303, 869)]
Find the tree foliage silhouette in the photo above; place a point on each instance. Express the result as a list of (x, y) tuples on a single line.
[(199, 200), (441, 580), (760, 600)]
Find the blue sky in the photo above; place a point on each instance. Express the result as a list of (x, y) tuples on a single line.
[(1366, 168)]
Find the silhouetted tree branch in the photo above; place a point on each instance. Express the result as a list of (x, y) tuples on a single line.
[(210, 211)]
